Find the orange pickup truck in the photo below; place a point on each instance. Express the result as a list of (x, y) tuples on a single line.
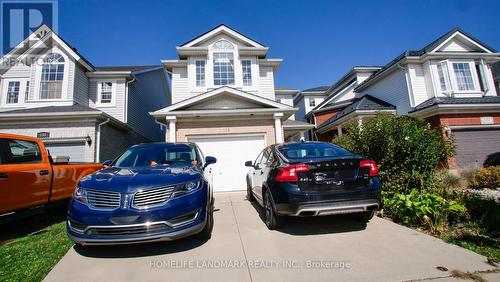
[(29, 178)]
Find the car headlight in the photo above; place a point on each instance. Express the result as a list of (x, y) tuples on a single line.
[(80, 195), (186, 187)]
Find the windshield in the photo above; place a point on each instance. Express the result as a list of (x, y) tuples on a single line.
[(157, 155), (312, 150)]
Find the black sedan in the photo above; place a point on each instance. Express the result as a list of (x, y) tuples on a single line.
[(312, 179)]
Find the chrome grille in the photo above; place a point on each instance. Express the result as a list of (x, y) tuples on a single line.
[(103, 199), (130, 230), (152, 197)]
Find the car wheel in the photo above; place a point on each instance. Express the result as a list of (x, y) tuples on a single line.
[(273, 220), (250, 196), (364, 216), (206, 233)]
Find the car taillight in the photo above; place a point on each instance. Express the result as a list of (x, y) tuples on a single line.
[(371, 165), (289, 173)]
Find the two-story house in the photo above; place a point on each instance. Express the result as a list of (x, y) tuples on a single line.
[(224, 99), (308, 99), (449, 83), (49, 90)]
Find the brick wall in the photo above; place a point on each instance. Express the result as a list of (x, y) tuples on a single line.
[(324, 116), (201, 127)]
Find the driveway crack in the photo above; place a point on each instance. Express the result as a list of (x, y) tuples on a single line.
[(241, 241)]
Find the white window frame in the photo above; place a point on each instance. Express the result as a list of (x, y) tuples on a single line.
[(246, 82), (451, 79), (38, 78), (311, 99), (5, 88), (99, 103), (200, 83)]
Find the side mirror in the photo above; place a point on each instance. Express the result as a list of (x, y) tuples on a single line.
[(107, 163), (209, 160), (249, 163)]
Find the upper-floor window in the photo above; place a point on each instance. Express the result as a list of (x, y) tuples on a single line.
[(223, 68), (27, 91), (247, 72), (464, 76), (312, 102), (200, 73), (52, 76), (106, 92), (223, 45), (457, 76), (13, 92)]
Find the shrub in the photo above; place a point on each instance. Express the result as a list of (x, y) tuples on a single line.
[(485, 211), (405, 148), (423, 209), (488, 177)]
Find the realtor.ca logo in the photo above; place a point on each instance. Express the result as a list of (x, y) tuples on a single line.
[(20, 18)]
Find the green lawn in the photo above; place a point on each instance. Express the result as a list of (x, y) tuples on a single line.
[(30, 248), (471, 236)]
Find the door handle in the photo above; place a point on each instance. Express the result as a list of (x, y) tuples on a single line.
[(44, 172), (4, 175)]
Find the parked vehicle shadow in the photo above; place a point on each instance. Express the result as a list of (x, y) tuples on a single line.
[(301, 226), (140, 250), (33, 222)]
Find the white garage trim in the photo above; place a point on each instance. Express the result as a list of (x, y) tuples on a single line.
[(225, 135)]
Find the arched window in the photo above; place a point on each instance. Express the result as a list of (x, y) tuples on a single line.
[(223, 63), (52, 76), (223, 45)]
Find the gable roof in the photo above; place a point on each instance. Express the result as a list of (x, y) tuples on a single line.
[(219, 91), (38, 37), (126, 68), (222, 28), (322, 88), (427, 49), (365, 103)]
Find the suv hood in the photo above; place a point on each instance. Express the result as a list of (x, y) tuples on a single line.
[(128, 180)]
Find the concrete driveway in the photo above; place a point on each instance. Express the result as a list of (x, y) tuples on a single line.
[(308, 249)]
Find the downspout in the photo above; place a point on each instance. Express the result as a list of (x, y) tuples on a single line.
[(125, 110), (98, 141)]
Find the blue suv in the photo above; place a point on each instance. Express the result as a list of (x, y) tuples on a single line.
[(152, 192)]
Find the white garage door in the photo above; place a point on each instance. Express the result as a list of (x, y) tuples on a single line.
[(75, 151), (231, 151)]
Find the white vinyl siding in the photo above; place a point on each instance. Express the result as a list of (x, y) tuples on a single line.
[(117, 110), (393, 89), (418, 87)]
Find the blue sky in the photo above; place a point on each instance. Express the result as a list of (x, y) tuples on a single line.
[(318, 40)]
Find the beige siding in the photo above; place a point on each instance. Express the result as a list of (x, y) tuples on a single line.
[(19, 70), (185, 129), (81, 87), (266, 82), (180, 84)]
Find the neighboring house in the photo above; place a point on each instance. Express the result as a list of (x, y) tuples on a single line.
[(49, 90), (224, 99), (338, 96), (307, 99), (294, 130), (449, 83), (496, 75)]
